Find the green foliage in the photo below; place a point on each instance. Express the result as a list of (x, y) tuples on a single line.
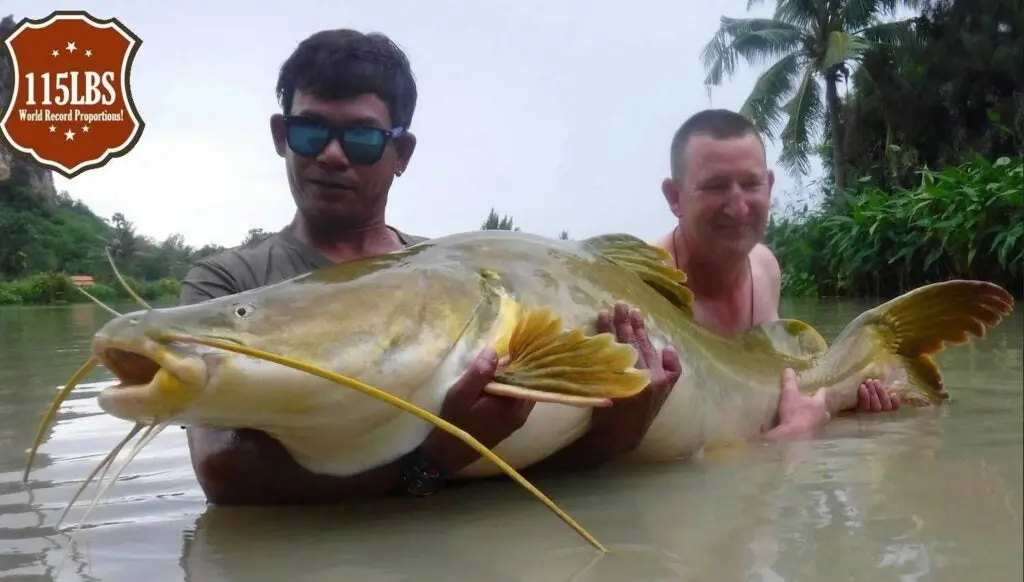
[(964, 221), (55, 288), (255, 235), (39, 288), (946, 99), (44, 242), (954, 92)]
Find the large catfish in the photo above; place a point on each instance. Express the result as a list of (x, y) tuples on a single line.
[(410, 322)]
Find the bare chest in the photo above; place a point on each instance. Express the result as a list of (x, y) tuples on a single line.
[(736, 312)]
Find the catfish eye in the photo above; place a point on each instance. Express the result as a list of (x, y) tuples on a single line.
[(245, 310)]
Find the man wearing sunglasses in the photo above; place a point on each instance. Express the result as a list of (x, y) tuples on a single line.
[(348, 102)]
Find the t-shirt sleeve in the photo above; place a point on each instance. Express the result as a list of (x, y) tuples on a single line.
[(207, 280)]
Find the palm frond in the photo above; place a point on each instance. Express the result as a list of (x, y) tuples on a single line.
[(857, 14), (757, 40), (764, 104), (806, 111), (887, 7), (842, 47), (717, 59), (900, 33), (764, 40), (804, 14)]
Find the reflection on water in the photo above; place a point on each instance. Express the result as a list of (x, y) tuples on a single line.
[(924, 495)]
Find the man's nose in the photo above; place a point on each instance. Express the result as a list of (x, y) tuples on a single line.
[(333, 155), (736, 204)]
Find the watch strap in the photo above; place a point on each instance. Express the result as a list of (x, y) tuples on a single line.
[(420, 477)]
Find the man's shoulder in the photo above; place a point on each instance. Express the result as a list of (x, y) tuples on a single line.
[(243, 267), (245, 254), (261, 262), (664, 243), (763, 257), (409, 239), (766, 268)]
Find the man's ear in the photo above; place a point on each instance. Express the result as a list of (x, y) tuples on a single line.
[(670, 189), (277, 133), (405, 146)]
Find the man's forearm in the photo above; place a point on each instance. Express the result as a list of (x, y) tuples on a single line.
[(247, 467), (587, 452)]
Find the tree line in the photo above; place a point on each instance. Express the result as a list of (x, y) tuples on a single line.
[(505, 222), (44, 242)]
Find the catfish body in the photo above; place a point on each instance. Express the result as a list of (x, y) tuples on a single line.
[(410, 323)]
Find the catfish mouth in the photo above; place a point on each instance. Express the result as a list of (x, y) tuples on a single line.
[(155, 381), (138, 363), (130, 368)]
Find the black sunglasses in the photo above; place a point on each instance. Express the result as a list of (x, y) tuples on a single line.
[(362, 144)]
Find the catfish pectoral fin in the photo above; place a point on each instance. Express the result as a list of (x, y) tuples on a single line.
[(546, 360)]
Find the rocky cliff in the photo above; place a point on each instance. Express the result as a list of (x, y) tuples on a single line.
[(13, 164)]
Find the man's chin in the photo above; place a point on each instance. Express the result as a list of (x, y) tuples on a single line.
[(738, 241), (328, 217), (324, 194), (738, 235)]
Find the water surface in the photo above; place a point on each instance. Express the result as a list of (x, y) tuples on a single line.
[(916, 496)]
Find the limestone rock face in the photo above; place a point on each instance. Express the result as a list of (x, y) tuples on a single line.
[(13, 164)]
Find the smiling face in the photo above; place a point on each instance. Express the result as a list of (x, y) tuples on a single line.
[(723, 194), (334, 189)]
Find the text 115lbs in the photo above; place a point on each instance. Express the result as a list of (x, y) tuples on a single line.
[(73, 92)]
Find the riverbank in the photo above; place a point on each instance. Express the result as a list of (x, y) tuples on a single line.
[(58, 288)]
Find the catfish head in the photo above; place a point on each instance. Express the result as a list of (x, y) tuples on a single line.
[(407, 330)]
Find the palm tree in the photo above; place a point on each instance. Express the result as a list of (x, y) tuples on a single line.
[(810, 42)]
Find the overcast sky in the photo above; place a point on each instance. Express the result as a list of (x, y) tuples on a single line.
[(557, 113)]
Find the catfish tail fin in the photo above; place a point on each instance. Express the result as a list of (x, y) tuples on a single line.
[(906, 332)]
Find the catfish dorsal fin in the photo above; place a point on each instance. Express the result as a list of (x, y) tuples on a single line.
[(649, 262), (791, 337), (356, 268)]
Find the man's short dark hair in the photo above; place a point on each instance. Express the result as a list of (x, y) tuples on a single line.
[(714, 123), (342, 64)]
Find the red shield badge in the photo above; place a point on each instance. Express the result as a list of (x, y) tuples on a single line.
[(71, 108)]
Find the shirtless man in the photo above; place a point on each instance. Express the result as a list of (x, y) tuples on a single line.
[(720, 190)]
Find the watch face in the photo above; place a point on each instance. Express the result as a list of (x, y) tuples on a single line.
[(420, 477), (422, 486)]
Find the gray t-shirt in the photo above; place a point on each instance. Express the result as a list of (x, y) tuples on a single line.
[(274, 259)]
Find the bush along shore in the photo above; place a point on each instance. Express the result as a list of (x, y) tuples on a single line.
[(58, 288), (965, 221)]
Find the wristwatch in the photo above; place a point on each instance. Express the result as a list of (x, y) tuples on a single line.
[(419, 475)]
